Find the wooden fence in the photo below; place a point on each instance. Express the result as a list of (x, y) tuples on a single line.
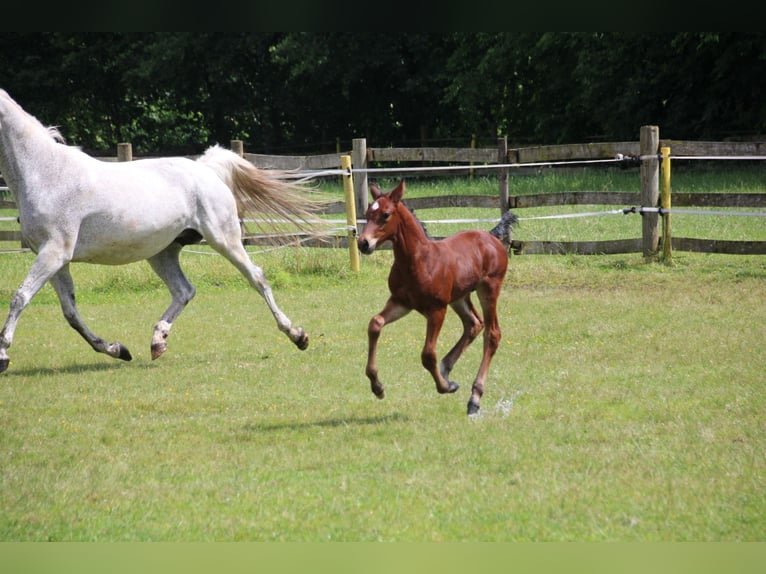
[(504, 161), (644, 152)]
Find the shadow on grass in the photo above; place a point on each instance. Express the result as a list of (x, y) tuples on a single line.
[(332, 423), (64, 370)]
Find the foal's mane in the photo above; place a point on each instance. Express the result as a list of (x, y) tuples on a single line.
[(412, 211)]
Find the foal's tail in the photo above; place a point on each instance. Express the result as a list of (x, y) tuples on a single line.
[(264, 193), (503, 229)]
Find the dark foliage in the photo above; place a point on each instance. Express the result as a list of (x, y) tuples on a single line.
[(287, 92)]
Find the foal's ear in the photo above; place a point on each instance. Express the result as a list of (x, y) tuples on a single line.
[(396, 194), (375, 191)]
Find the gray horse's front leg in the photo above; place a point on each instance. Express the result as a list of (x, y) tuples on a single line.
[(18, 302), (45, 265), (168, 268), (64, 286), (6, 335)]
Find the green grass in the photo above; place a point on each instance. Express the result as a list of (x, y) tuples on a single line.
[(625, 404)]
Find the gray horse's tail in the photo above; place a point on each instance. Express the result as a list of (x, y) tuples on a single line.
[(270, 198), (503, 230)]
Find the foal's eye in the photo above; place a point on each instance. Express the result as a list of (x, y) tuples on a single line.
[(385, 217)]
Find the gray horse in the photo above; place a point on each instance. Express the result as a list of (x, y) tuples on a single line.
[(73, 207)]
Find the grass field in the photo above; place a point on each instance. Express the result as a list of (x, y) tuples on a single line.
[(626, 404)]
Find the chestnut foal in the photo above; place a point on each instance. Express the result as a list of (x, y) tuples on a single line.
[(428, 275)]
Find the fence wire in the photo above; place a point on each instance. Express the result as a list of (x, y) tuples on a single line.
[(304, 176)]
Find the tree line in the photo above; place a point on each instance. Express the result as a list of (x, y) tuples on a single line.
[(308, 92)]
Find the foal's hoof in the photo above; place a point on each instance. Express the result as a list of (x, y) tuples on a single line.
[(473, 408), (302, 340), (4, 365), (375, 385), (451, 388)]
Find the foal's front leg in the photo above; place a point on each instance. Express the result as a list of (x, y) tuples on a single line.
[(390, 313)]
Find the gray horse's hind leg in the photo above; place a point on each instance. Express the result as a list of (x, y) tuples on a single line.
[(64, 286), (236, 254), (166, 265)]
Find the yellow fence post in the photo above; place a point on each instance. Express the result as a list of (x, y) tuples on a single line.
[(348, 191), (667, 248)]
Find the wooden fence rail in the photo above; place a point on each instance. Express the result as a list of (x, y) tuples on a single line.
[(604, 247), (504, 161)]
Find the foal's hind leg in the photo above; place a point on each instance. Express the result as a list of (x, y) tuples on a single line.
[(235, 252), (472, 326), (435, 320), (488, 294), (64, 286), (166, 265)]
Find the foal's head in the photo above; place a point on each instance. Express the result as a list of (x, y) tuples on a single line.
[(383, 217)]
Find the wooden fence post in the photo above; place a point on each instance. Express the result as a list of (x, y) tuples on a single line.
[(124, 152), (650, 188), (359, 160), (502, 176)]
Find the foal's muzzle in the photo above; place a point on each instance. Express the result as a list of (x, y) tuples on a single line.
[(365, 246)]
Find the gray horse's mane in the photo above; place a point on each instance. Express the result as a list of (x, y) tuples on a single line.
[(53, 131), (55, 134)]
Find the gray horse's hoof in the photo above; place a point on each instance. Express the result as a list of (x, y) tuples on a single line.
[(124, 353), (473, 408), (302, 342), (4, 365)]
